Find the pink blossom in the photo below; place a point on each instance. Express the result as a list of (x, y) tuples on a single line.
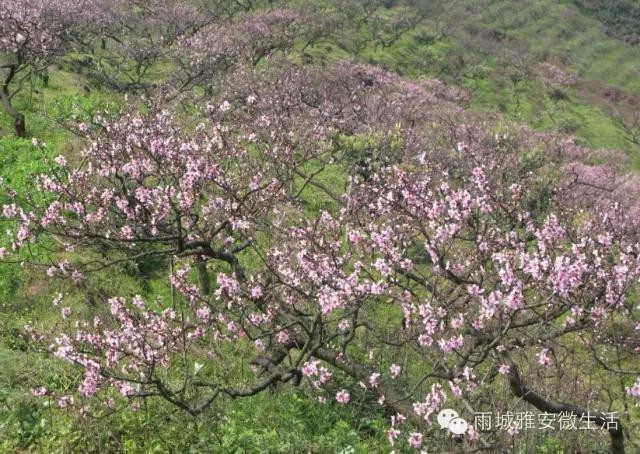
[(256, 292), (66, 312), (415, 440), (457, 322), (455, 389), (204, 314), (310, 368), (324, 375), (343, 397), (65, 401), (513, 430), (91, 380), (57, 300), (138, 302), (76, 276), (9, 211), (283, 337), (126, 232), (634, 390), (39, 391), (543, 357), (472, 434), (392, 435)]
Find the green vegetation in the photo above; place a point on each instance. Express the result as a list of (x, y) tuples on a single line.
[(620, 19), (494, 54)]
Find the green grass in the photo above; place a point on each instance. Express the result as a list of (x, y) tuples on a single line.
[(561, 33), (580, 40), (63, 99), (284, 420)]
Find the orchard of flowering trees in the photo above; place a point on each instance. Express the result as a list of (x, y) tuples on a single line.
[(330, 227), (31, 38)]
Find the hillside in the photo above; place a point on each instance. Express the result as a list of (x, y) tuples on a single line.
[(292, 226)]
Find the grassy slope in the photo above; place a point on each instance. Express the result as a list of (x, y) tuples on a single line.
[(295, 423), (538, 30)]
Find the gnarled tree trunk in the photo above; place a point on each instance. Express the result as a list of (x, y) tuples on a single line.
[(612, 424), (5, 97), (18, 118)]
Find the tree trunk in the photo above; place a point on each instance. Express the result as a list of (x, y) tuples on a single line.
[(612, 424), (18, 118), (19, 124), (203, 276)]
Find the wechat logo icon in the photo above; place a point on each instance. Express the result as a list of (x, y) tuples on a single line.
[(451, 421)]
